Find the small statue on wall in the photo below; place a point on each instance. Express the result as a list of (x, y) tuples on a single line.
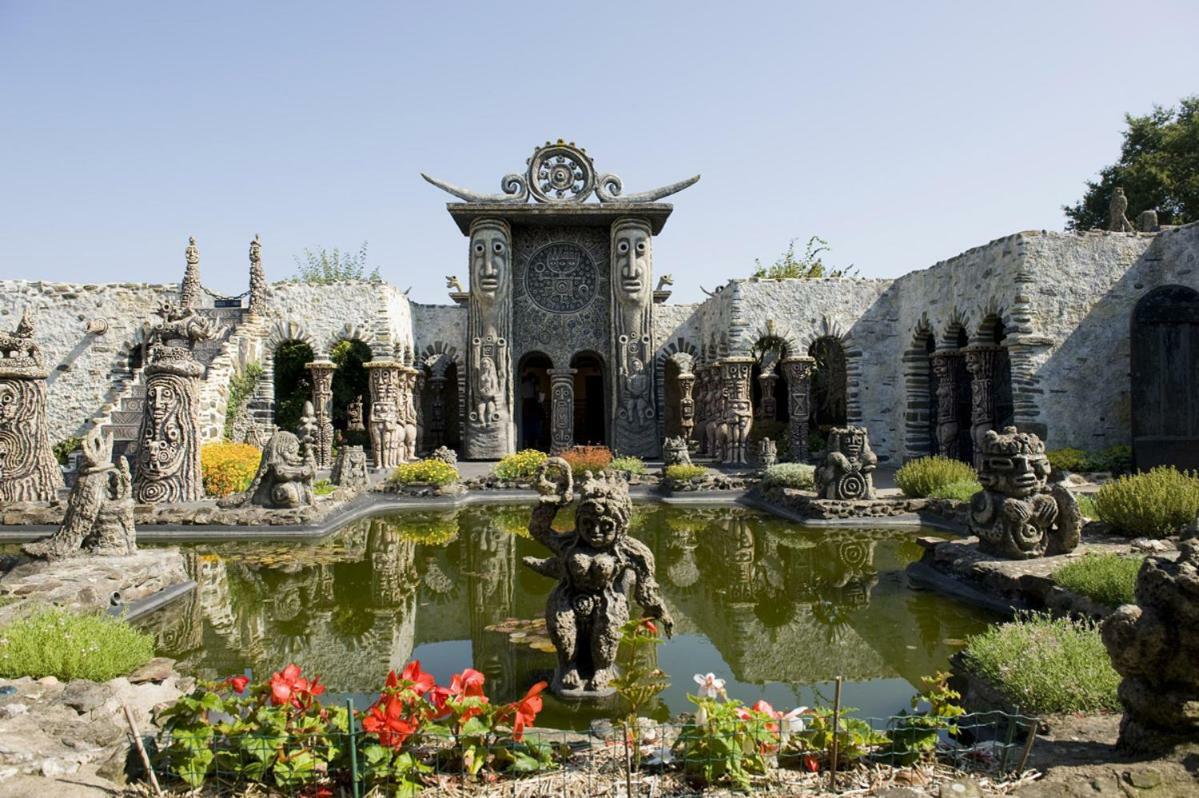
[(846, 472), (1016, 514), (354, 420), (675, 451), (285, 475), (1117, 211), (1154, 645), (99, 514), (597, 565)]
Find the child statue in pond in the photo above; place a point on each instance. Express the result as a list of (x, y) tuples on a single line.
[(597, 566)]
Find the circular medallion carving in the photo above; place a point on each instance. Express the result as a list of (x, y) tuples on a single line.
[(561, 278)]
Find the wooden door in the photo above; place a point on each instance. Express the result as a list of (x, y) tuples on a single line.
[(1165, 378)]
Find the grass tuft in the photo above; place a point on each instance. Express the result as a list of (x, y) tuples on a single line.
[(1106, 578), (55, 642)]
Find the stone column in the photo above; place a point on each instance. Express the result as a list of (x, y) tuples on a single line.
[(257, 303), (322, 403), (980, 362), (945, 365), (386, 431), (769, 408), (406, 404), (798, 371), (28, 470), (686, 404), (168, 444), (739, 409), (634, 411), (189, 289), (490, 422), (562, 409)]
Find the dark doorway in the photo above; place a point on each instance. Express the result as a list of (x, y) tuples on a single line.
[(964, 400), (590, 418), (1165, 378), (533, 395), (350, 383), (830, 384), (293, 384)]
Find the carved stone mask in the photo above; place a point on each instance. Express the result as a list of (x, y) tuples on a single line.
[(489, 261), (631, 261), (162, 400)]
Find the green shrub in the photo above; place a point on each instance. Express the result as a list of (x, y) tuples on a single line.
[(430, 472), (1068, 459), (55, 642), (1086, 506), (64, 448), (241, 388), (1116, 459), (1155, 504), (683, 473), (962, 491), (919, 478), (1042, 664), (1106, 578), (628, 465), (323, 487), (790, 475), (519, 466)]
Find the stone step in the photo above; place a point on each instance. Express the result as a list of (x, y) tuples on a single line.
[(125, 417)]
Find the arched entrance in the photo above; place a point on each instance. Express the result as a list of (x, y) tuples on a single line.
[(591, 420), (293, 386), (533, 401), (350, 384), (1165, 378)]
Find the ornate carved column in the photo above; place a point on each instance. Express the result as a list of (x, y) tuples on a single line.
[(490, 424), (168, 454), (28, 470), (686, 404), (418, 388), (189, 289), (406, 404), (634, 430), (980, 362), (768, 409), (798, 371), (562, 409), (739, 409), (387, 442), (945, 364), (257, 303), (322, 402)]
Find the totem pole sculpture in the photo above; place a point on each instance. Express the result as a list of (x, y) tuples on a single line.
[(28, 470), (322, 402), (597, 565), (846, 472), (99, 514), (168, 454), (635, 429), (489, 399), (733, 437), (354, 419), (189, 289), (387, 431), (1017, 514)]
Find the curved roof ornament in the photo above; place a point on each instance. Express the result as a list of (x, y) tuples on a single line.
[(561, 172)]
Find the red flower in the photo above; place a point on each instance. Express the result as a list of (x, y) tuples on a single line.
[(468, 684), (238, 683), (386, 719), (648, 624), (811, 763), (413, 678), (289, 688), (526, 710)]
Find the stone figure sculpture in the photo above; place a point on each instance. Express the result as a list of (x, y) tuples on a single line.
[(454, 284), (664, 281), (490, 428), (99, 514), (349, 469), (768, 453), (1017, 514), (308, 431), (285, 475), (1154, 645), (738, 417), (675, 452), (178, 324), (320, 436), (408, 418), (446, 455), (28, 470), (387, 431), (846, 472), (597, 566), (354, 421), (632, 306), (1117, 211), (189, 289)]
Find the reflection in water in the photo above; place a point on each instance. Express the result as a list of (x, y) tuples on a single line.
[(780, 609)]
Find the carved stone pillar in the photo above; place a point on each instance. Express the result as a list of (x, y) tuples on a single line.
[(768, 409), (257, 304), (945, 364), (168, 453), (322, 403), (634, 428), (798, 371), (189, 289), (28, 470), (386, 430), (739, 409), (490, 424), (686, 404), (562, 409), (980, 362), (407, 409)]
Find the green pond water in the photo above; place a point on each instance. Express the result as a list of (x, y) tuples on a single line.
[(776, 609)]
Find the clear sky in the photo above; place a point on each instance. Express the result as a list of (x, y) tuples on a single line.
[(902, 136)]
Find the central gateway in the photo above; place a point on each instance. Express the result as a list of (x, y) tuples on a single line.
[(561, 308)]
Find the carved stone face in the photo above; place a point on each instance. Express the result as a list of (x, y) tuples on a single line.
[(631, 262), (489, 261), (597, 530), (1016, 475), (852, 444), (8, 402), (161, 400)]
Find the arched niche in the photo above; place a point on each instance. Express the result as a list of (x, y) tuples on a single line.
[(350, 381)]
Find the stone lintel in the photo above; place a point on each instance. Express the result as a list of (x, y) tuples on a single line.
[(561, 214)]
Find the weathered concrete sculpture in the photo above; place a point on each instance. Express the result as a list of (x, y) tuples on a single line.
[(189, 289), (733, 434), (797, 369), (846, 472), (285, 474), (1154, 645), (446, 455), (99, 515), (675, 452), (387, 432), (597, 565), (308, 430), (768, 453), (257, 303), (349, 470), (407, 412), (632, 307), (168, 454), (491, 431), (1117, 211), (321, 371), (28, 470), (354, 418), (1017, 514)]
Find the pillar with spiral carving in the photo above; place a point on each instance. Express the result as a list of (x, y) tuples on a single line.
[(562, 409), (798, 371)]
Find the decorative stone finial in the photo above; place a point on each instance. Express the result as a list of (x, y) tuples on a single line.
[(189, 289)]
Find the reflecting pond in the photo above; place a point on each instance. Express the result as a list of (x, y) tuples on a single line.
[(777, 609)]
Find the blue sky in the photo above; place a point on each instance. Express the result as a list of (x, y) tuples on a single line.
[(902, 136)]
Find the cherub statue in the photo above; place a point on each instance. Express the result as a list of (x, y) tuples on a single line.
[(597, 565)]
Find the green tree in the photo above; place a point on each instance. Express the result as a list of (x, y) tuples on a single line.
[(326, 266), (1158, 169), (809, 267)]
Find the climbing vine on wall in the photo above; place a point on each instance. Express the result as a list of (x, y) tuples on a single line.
[(241, 388)]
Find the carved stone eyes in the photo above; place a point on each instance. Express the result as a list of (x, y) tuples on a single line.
[(498, 246), (622, 247), (479, 247), (641, 247)]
